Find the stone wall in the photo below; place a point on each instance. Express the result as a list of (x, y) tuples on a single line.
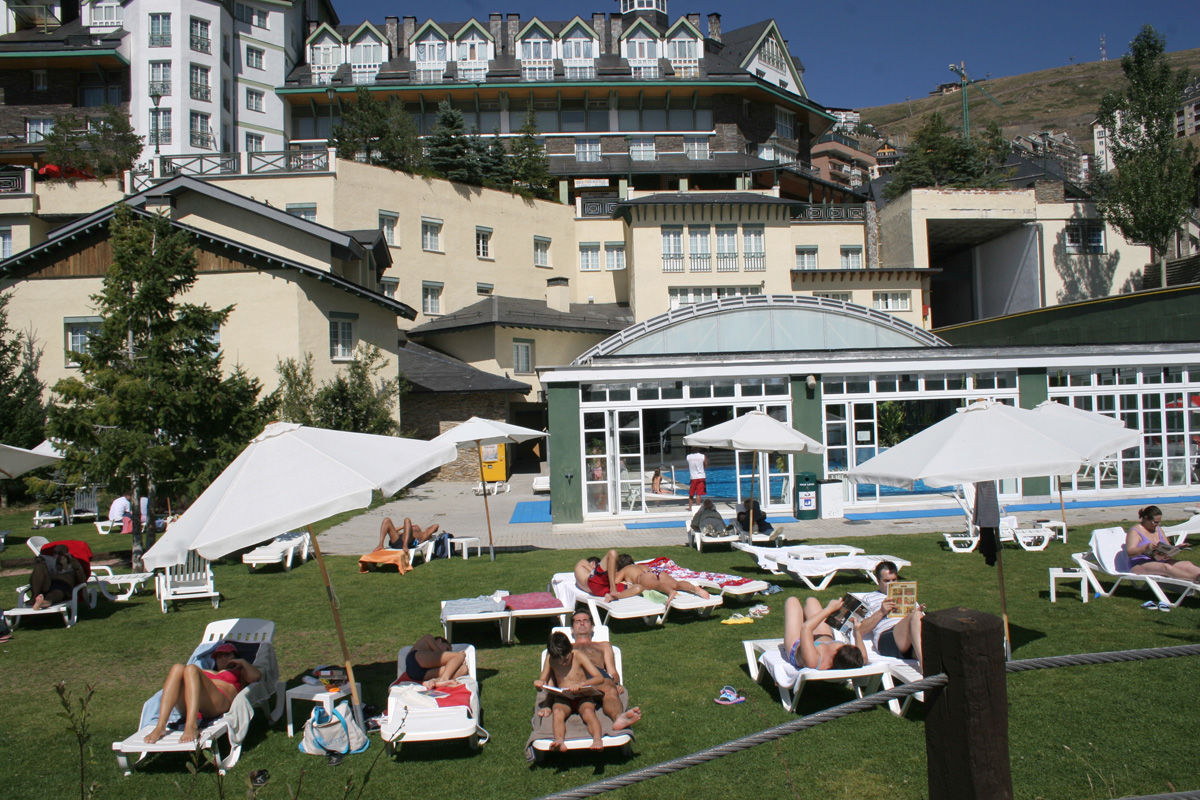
[(427, 415)]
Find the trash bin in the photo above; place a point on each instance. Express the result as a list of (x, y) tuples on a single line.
[(831, 502), (806, 496)]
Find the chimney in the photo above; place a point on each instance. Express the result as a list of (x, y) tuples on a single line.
[(407, 31), (598, 27), (558, 295), (695, 20), (312, 26), (714, 26), (494, 28), (615, 24), (391, 29), (512, 27)]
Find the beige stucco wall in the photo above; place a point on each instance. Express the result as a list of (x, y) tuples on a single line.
[(56, 198), (1071, 277), (829, 238), (904, 221), (862, 290), (252, 230), (603, 286)]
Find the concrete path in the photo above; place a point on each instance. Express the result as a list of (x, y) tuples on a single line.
[(456, 508)]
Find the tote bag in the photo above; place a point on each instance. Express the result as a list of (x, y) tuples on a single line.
[(326, 733)]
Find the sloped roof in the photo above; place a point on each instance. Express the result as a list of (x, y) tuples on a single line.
[(520, 312), (428, 370)]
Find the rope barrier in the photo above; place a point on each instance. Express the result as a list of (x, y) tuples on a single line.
[(863, 704)]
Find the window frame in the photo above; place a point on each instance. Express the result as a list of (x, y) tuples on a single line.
[(260, 99), (85, 325), (256, 57), (614, 256), (388, 222), (341, 331), (1090, 238), (541, 252), (431, 235), (305, 211), (589, 257), (525, 345), (803, 253), (431, 298), (847, 253), (587, 149), (254, 140), (39, 127), (159, 38), (891, 301), (483, 243)]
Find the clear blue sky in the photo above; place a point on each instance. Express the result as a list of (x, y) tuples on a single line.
[(858, 53)]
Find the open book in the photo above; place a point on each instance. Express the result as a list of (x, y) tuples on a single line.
[(904, 595), (851, 607), (1164, 550), (585, 691)]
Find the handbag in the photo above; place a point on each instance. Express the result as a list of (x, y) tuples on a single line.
[(328, 733)]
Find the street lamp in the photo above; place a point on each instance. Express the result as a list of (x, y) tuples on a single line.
[(156, 98)]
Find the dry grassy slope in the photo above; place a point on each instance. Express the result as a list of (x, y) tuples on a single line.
[(1061, 98)]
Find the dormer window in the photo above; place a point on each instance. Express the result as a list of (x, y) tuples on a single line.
[(536, 48), (324, 58), (431, 58), (472, 47), (107, 15), (641, 50), (772, 55), (577, 46), (682, 51), (366, 56), (628, 6)]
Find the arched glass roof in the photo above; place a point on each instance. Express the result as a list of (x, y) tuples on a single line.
[(763, 323)]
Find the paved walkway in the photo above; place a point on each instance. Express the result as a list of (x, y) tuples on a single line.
[(456, 508)]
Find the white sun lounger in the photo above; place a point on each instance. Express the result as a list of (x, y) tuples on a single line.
[(765, 657), (505, 617), (418, 717), (280, 550), (565, 589), (1107, 559), (69, 608), (126, 584), (541, 484), (745, 589), (250, 634), (710, 536), (816, 573), (769, 558)]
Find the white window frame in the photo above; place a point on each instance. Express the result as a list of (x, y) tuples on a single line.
[(891, 301), (541, 251), (342, 341), (536, 47), (160, 129), (159, 34), (806, 257), (589, 256), (587, 148), (578, 46), (847, 297), (41, 80), (672, 248), (785, 123), (431, 298), (106, 15), (851, 257), (77, 329), (727, 248), (388, 287), (431, 52), (483, 242), (256, 57), (641, 148), (699, 248), (754, 248), (387, 224), (523, 356), (36, 128), (697, 148), (1084, 237), (6, 241), (614, 256), (431, 235), (199, 30), (305, 211), (254, 142), (255, 99)]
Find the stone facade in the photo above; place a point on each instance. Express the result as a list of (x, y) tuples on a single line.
[(426, 415), (21, 100)]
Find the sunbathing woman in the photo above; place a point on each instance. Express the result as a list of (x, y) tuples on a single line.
[(1141, 540), (656, 482), (432, 662), (204, 693), (630, 572), (808, 641), (400, 538)]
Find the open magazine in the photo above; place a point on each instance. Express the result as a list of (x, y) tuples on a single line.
[(904, 595), (1164, 550), (585, 691), (852, 607)]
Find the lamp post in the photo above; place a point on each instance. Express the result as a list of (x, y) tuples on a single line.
[(156, 98)]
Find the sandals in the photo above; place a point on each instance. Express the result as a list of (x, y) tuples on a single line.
[(759, 611), (729, 697)]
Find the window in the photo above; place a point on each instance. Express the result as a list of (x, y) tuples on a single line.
[(431, 235), (806, 258), (254, 99), (642, 48), (672, 249), (589, 257), (160, 78), (5, 242), (851, 258), (201, 131), (844, 296), (1084, 236), (40, 81), (536, 48), (365, 57), (305, 211), (522, 356), (696, 148), (541, 251), (484, 289), (388, 286), (431, 50), (387, 224), (431, 297), (199, 39), (160, 126), (641, 148), (254, 58), (891, 301), (341, 336), (699, 249), (160, 30), (472, 47), (681, 47), (107, 15), (727, 248), (483, 242), (689, 295), (772, 55), (76, 334), (587, 149), (36, 128), (785, 123), (577, 46), (614, 256), (199, 79), (754, 249), (254, 16)]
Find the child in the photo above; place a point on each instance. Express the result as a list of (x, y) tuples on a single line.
[(577, 677)]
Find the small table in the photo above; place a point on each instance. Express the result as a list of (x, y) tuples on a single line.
[(1064, 573), (317, 694), (1056, 525), (465, 544)]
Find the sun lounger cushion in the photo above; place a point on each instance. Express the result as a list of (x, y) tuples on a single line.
[(543, 727), (531, 600), (484, 604), (664, 564), (382, 557)]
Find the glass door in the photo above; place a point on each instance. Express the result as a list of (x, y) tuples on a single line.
[(766, 476), (613, 462), (630, 474)]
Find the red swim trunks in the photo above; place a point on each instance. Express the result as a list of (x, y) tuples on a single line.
[(697, 488), (598, 583)]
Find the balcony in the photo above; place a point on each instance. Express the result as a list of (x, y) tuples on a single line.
[(537, 70), (159, 137), (201, 91), (430, 73), (830, 213), (160, 88), (213, 165), (700, 262), (755, 262), (727, 262), (364, 73), (644, 69), (201, 44), (160, 40), (686, 67), (672, 263), (12, 183), (472, 71), (321, 75), (205, 141)]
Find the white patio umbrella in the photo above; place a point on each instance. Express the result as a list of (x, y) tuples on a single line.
[(757, 431), (479, 431), (15, 461), (291, 476)]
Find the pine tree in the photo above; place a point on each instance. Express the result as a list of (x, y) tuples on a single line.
[(496, 169), (940, 158), (449, 148), (103, 146), (378, 133), (22, 416), (1154, 181), (530, 168)]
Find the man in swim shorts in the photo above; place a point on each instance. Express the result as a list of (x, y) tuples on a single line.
[(697, 488), (598, 577)]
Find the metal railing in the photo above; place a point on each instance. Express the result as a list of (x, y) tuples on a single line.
[(700, 262), (288, 161), (201, 91), (830, 213), (203, 164), (600, 207), (201, 139), (201, 44), (755, 262), (159, 136), (672, 263), (727, 262), (13, 183), (160, 40), (160, 88), (364, 73)]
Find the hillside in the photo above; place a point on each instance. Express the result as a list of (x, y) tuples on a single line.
[(1063, 98)]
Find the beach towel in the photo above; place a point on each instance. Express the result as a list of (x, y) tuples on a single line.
[(543, 727), (531, 600), (381, 557), (664, 564)]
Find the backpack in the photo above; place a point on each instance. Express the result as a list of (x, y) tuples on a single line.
[(441, 545)]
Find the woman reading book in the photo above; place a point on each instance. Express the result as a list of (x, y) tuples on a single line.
[(1149, 551), (808, 640)]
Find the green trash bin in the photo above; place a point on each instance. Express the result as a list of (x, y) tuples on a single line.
[(806, 496)]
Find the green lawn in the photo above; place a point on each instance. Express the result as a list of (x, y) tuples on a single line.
[(1081, 732)]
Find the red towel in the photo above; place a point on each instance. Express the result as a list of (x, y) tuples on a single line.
[(455, 696), (524, 602), (76, 548)]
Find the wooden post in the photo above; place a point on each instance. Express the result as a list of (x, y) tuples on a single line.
[(966, 721)]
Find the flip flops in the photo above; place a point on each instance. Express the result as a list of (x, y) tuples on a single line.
[(729, 697), (1151, 605), (759, 611), (737, 619)]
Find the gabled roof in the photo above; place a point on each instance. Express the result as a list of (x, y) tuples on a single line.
[(427, 370), (745, 43), (581, 22), (535, 23), (520, 312), (363, 28), (473, 25), (326, 28), (429, 25)]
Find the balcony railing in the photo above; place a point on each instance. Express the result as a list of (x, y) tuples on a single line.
[(598, 206), (672, 263), (201, 44), (755, 262), (204, 164), (431, 74), (160, 88), (700, 262), (364, 73), (159, 137), (686, 67), (289, 161), (537, 70), (472, 71), (160, 40), (201, 91), (727, 262), (13, 183), (830, 213), (204, 140)]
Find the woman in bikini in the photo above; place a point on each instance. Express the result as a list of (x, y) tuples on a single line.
[(808, 641), (198, 692), (632, 573), (1142, 538), (432, 661)]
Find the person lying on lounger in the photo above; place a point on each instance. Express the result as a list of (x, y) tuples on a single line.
[(708, 518), (571, 682), (601, 655), (206, 693), (894, 637), (50, 584), (402, 537), (808, 641), (432, 662), (632, 573), (599, 577)]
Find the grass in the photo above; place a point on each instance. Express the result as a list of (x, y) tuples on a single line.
[(1070, 729)]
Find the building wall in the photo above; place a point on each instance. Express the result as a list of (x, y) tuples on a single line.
[(603, 286), (829, 239), (250, 229), (1070, 277)]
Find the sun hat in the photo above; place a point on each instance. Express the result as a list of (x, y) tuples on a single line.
[(225, 647)]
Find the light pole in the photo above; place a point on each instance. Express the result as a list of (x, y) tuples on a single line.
[(156, 98)]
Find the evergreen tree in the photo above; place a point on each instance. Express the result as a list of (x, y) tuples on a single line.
[(940, 158), (103, 146), (497, 172), (450, 153), (378, 133), (1154, 181), (150, 407), (22, 416), (530, 168)]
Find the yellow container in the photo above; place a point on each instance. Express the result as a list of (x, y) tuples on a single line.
[(495, 462)]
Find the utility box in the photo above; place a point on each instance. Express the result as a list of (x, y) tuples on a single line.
[(495, 462), (806, 496), (831, 499)]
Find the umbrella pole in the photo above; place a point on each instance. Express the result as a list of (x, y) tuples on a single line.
[(1003, 599), (1062, 506), (486, 511), (337, 619)]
